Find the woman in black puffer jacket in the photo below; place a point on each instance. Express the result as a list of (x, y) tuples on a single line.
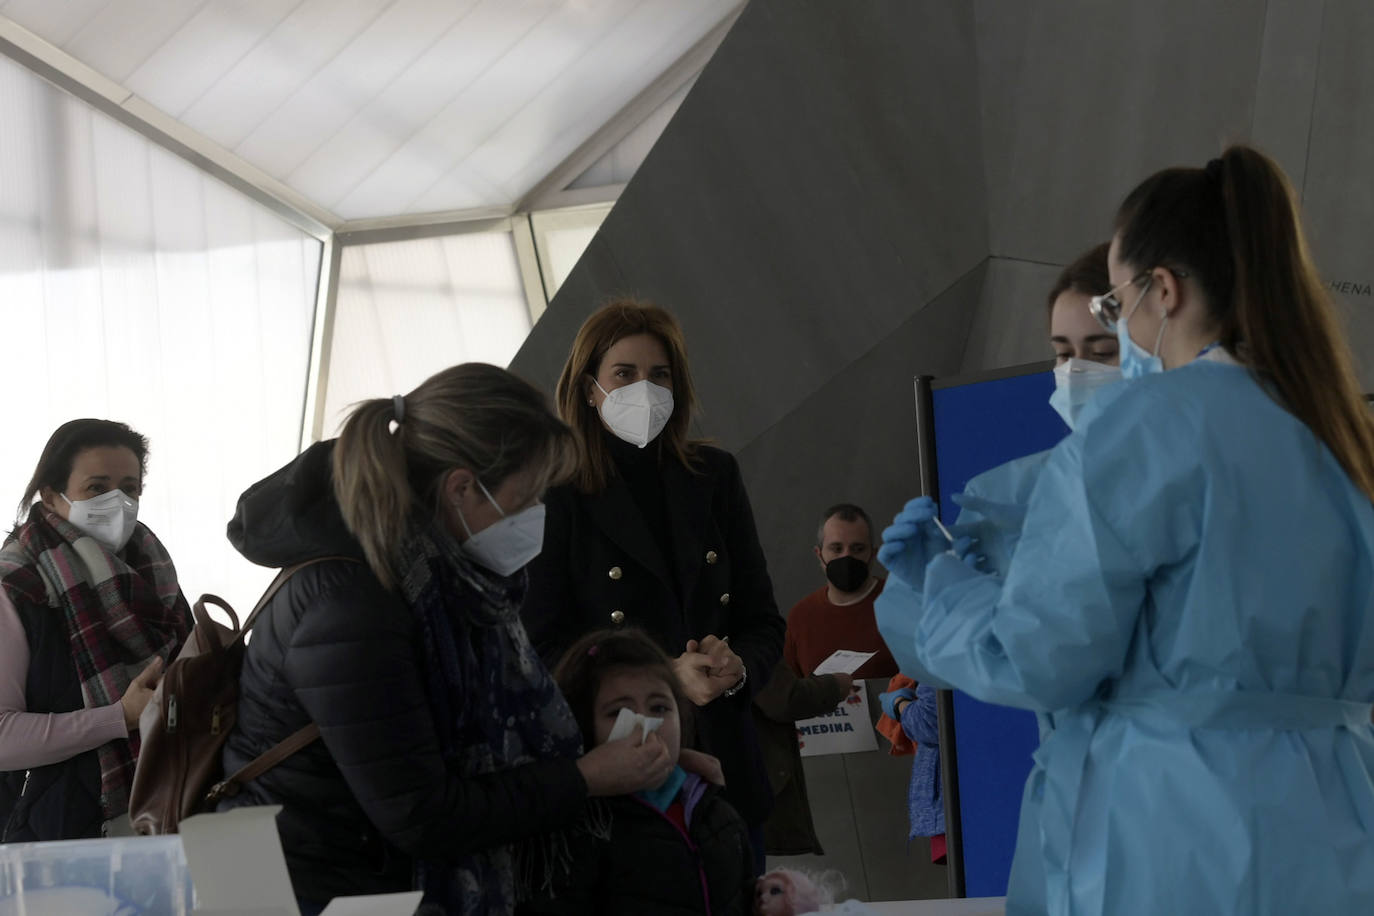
[(447, 758)]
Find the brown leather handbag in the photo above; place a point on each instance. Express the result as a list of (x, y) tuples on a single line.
[(194, 708)]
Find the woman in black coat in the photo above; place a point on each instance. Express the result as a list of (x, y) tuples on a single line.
[(655, 531)]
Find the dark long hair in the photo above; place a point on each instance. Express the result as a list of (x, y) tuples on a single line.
[(1234, 226), (71, 439)]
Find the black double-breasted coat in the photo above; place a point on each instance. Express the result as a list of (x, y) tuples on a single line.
[(602, 566)]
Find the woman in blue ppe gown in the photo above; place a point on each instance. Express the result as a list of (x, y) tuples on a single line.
[(1086, 360), (1190, 594)]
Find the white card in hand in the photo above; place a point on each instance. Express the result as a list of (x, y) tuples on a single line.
[(628, 721), (843, 661)]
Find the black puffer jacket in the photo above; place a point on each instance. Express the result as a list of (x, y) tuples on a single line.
[(648, 868), (336, 648)]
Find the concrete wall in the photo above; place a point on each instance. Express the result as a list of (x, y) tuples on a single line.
[(853, 194)]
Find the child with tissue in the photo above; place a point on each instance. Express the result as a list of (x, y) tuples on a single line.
[(677, 848)]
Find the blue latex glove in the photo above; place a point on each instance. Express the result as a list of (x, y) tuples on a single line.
[(911, 541), (889, 701), (963, 549)]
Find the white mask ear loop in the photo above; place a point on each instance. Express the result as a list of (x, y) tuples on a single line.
[(459, 509), (1159, 339)]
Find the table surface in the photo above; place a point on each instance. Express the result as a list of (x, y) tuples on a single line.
[(969, 906)]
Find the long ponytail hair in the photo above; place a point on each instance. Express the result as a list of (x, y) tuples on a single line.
[(1234, 226), (391, 458)]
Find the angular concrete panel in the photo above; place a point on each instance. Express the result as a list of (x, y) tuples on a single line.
[(1011, 325), (1338, 194), (853, 440), (811, 193), (1095, 96), (1286, 82)]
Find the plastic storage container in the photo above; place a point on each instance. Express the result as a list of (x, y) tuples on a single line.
[(124, 876)]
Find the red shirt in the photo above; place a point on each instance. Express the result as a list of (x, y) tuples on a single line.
[(816, 629)]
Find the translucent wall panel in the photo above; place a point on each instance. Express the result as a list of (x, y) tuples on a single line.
[(407, 309), (560, 237), (134, 287)]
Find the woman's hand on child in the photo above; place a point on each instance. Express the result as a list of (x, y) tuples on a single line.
[(702, 764), (625, 766)]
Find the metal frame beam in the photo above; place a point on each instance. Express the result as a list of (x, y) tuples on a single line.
[(111, 98)]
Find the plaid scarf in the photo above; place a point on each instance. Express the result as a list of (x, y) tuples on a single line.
[(495, 706), (120, 612)]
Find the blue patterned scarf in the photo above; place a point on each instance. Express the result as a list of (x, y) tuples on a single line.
[(495, 704)]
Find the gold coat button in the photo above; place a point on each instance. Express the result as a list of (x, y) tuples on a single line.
[(711, 558), (615, 573), (725, 598), (617, 617)]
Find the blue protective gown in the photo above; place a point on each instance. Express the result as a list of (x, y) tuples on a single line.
[(1191, 597)]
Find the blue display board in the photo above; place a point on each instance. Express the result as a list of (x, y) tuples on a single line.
[(979, 425)]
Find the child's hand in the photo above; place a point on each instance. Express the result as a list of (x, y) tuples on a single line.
[(625, 766)]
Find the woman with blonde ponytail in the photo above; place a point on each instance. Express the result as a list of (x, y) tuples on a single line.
[(1191, 595), (448, 760)]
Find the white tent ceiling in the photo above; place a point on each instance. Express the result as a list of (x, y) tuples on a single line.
[(363, 112)]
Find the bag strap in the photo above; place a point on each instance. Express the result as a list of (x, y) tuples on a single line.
[(275, 587), (292, 743), (229, 787)]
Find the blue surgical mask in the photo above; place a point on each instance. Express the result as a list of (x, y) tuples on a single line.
[(1075, 383), (1135, 362)]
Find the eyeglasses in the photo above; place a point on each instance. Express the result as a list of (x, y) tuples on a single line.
[(1106, 308)]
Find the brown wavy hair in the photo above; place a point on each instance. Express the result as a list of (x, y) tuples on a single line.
[(472, 416), (613, 322), (1234, 226), (1087, 276)]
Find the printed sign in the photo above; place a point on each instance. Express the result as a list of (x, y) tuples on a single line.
[(846, 730)]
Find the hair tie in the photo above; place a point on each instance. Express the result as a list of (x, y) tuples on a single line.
[(1213, 170), (398, 408)]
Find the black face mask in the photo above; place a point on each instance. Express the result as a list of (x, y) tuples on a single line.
[(848, 574)]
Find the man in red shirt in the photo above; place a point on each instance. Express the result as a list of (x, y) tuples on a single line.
[(839, 615)]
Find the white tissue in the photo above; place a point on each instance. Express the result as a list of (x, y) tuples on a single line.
[(628, 721)]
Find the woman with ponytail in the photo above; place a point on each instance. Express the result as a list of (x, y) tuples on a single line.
[(1191, 594), (448, 760)]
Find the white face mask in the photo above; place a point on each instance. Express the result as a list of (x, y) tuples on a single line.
[(506, 546), (109, 517), (1075, 383), (637, 413)]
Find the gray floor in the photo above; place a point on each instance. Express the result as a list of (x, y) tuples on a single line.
[(858, 802)]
